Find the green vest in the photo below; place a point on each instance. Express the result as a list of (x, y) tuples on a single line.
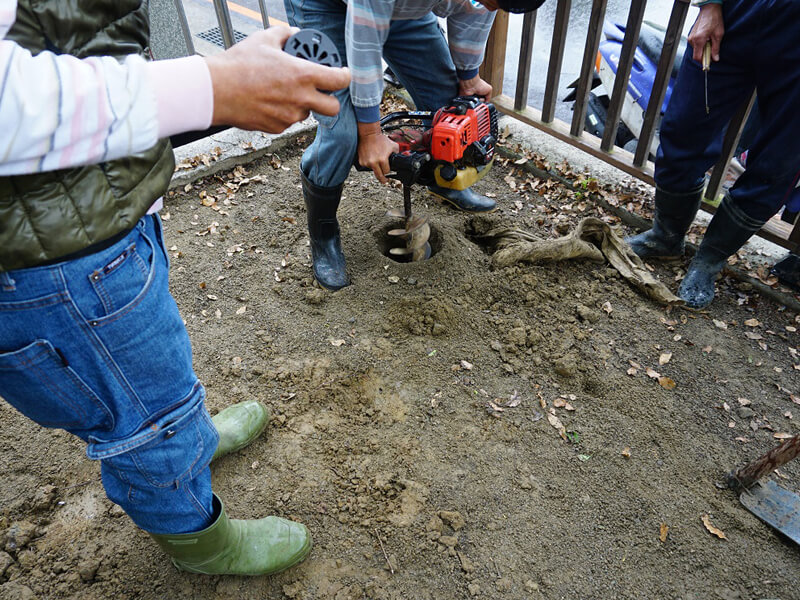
[(49, 215)]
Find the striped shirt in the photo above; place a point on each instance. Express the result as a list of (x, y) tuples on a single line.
[(367, 27), (58, 111)]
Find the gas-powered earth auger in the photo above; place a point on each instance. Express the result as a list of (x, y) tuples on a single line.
[(452, 147)]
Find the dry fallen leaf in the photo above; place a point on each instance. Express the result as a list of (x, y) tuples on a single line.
[(782, 436), (626, 452), (707, 349), (720, 324), (666, 383), (514, 401), (606, 306), (466, 365), (557, 425), (632, 371), (743, 402), (711, 529), (494, 406), (242, 310), (652, 373), (664, 530), (337, 343), (752, 322), (664, 358)]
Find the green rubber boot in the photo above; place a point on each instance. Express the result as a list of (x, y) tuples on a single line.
[(238, 547), (238, 425)]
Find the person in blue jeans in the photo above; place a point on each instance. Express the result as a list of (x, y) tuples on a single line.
[(754, 47), (91, 341), (406, 34)]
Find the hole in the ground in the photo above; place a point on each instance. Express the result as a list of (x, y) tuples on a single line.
[(476, 230), (386, 242)]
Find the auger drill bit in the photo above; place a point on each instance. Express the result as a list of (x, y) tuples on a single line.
[(407, 169), (415, 233)]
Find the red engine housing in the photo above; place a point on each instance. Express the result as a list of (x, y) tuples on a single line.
[(465, 131)]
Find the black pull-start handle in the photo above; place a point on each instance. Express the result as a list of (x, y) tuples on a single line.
[(313, 45)]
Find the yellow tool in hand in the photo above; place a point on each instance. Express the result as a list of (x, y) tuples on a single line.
[(706, 67)]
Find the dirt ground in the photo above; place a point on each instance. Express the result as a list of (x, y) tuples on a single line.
[(415, 416)]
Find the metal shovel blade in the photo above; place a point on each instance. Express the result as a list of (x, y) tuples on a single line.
[(775, 506)]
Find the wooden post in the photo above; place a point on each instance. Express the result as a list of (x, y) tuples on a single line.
[(493, 68), (748, 475)]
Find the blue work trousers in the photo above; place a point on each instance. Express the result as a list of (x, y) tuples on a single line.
[(96, 346), (415, 50), (759, 51)]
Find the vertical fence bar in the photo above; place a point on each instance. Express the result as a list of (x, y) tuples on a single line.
[(225, 24), (556, 60), (629, 43), (187, 33), (493, 67), (262, 5), (794, 236), (672, 40), (732, 135), (587, 67), (525, 57)]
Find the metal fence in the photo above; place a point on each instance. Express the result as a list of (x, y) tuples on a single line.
[(636, 164)]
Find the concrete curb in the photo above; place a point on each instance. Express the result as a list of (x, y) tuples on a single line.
[(236, 147)]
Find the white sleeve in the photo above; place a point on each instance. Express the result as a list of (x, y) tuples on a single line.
[(58, 111)]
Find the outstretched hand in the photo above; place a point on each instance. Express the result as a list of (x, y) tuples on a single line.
[(709, 26), (258, 86)]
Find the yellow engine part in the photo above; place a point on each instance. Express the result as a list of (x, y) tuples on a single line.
[(465, 177)]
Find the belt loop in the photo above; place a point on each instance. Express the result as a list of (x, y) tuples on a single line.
[(8, 284)]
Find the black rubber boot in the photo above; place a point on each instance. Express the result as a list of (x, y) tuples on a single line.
[(465, 200), (674, 213), (322, 203), (729, 229)]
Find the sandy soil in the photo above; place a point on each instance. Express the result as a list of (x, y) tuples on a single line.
[(413, 417)]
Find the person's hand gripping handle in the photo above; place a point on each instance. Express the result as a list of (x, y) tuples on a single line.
[(706, 67)]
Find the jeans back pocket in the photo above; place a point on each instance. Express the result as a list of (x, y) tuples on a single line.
[(38, 381)]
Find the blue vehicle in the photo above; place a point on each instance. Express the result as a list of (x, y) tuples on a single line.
[(640, 84)]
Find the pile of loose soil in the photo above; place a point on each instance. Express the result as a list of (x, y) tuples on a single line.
[(445, 430)]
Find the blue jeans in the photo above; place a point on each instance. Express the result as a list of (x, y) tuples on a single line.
[(96, 346), (409, 45), (759, 51)]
